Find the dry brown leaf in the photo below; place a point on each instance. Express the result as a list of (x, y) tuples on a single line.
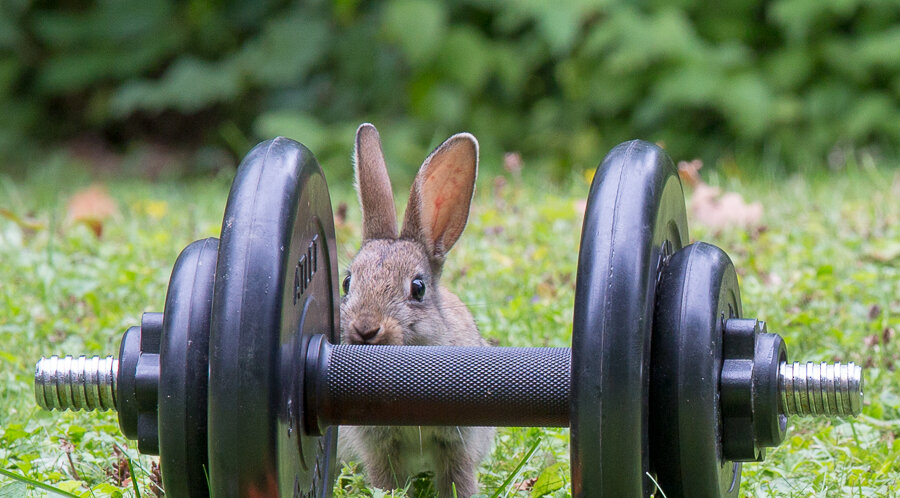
[(870, 341), (512, 163), (92, 206), (156, 480), (716, 209), (340, 216), (689, 171), (25, 222), (885, 252), (525, 485), (497, 186), (119, 471), (546, 290), (712, 207), (66, 445)]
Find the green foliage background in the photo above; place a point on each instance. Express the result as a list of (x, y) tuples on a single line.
[(785, 83)]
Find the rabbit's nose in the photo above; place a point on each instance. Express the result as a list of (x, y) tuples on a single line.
[(367, 334)]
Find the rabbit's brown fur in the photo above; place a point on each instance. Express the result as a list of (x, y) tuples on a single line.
[(380, 307)]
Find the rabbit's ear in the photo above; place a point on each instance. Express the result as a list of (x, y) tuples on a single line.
[(441, 194), (379, 215)]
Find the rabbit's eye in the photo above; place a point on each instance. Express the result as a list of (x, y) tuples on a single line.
[(417, 289), (346, 285)]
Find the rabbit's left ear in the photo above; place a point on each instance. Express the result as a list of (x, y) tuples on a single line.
[(379, 216), (441, 195)]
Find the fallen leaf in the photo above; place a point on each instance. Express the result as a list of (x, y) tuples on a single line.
[(884, 252), (546, 290), (92, 206), (716, 209), (340, 216), (712, 207), (689, 172), (66, 445), (498, 185), (870, 341), (512, 163), (25, 223), (525, 485), (119, 470), (771, 279), (156, 480)]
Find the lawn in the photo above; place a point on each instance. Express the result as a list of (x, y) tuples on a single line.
[(822, 268)]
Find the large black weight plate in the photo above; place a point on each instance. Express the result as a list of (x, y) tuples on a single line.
[(697, 293), (184, 371), (635, 217), (276, 282)]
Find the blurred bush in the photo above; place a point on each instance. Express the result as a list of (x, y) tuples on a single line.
[(784, 82)]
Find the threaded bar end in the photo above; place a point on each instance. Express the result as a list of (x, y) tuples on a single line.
[(81, 383), (820, 389)]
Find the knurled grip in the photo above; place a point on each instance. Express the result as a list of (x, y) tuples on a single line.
[(436, 385)]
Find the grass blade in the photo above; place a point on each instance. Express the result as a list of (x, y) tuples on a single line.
[(37, 484), (516, 471), (658, 487), (137, 492)]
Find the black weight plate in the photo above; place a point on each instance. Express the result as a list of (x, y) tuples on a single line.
[(276, 282), (184, 371), (697, 293), (635, 217)]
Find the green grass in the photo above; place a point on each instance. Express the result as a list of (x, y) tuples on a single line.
[(824, 273)]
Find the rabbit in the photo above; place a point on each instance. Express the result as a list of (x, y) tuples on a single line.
[(392, 295)]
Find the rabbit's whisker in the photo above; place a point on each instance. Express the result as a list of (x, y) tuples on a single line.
[(461, 438)]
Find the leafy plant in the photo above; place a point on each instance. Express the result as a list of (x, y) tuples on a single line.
[(789, 82)]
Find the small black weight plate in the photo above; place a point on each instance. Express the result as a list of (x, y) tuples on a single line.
[(635, 217), (184, 371), (698, 291), (276, 282)]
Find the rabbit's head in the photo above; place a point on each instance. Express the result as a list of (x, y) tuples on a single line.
[(392, 293)]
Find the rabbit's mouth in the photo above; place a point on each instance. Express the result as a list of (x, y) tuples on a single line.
[(387, 332)]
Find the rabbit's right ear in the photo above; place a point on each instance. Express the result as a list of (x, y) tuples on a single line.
[(440, 196), (379, 215)]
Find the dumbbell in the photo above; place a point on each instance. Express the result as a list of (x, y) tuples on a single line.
[(240, 383)]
